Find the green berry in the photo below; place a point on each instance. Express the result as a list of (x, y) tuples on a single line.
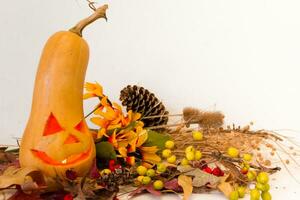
[(184, 162), (198, 155), (251, 175), (150, 172), (169, 144), (266, 196), (241, 190), (190, 156), (234, 195), (197, 135), (158, 185), (247, 157), (166, 153), (254, 194), (161, 167), (189, 149), (172, 159), (233, 152), (141, 170), (262, 177), (146, 180)]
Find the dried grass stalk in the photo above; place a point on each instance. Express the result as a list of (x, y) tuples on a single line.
[(205, 119)]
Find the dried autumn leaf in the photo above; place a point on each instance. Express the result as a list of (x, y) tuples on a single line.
[(234, 171), (186, 183), (200, 178), (18, 176), (226, 188), (173, 185), (20, 195)]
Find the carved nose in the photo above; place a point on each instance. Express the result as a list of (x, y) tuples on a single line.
[(71, 139)]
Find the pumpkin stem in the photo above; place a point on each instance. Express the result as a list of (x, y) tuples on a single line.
[(99, 13)]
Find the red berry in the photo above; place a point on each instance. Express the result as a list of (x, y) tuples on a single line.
[(222, 173), (118, 166), (203, 164), (217, 172), (112, 162), (207, 170), (244, 171), (111, 165), (68, 197)]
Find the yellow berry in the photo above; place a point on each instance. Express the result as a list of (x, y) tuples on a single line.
[(190, 156), (251, 175), (262, 177), (198, 155), (172, 159), (105, 172), (166, 153), (150, 172), (158, 185), (197, 135), (241, 190), (234, 195), (161, 167), (169, 144), (141, 170), (184, 161), (266, 196), (247, 157), (233, 152), (262, 187), (245, 165), (146, 180), (189, 149), (267, 187), (140, 178), (254, 194)]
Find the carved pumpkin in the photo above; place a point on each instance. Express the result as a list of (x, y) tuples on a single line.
[(56, 137)]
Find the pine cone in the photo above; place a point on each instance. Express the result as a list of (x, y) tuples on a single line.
[(139, 99)]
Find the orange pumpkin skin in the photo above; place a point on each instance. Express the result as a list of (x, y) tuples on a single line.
[(58, 93)]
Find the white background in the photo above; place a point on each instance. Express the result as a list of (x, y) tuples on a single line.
[(237, 56)]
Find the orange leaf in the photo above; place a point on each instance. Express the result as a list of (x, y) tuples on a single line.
[(186, 183)]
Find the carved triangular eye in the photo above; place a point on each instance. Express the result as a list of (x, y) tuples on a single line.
[(81, 126), (52, 126)]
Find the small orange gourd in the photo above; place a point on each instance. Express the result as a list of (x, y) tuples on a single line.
[(56, 138)]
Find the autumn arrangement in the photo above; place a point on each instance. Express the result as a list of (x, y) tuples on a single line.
[(138, 146)]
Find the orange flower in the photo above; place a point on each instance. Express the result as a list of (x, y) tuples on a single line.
[(147, 154), (126, 137), (93, 90), (111, 117)]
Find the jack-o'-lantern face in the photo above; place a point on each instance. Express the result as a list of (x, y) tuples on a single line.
[(63, 145)]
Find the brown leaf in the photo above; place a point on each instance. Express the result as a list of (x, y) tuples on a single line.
[(226, 188), (202, 178), (173, 185), (18, 176), (186, 183), (234, 171), (20, 195), (151, 190)]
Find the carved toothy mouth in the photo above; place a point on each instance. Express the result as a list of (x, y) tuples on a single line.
[(68, 161)]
